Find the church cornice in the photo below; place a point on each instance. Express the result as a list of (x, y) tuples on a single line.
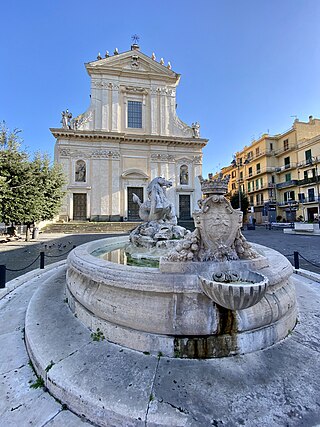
[(70, 134)]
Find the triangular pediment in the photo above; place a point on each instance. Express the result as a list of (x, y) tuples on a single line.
[(131, 62)]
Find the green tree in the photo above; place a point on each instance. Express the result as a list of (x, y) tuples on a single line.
[(31, 190), (244, 202)]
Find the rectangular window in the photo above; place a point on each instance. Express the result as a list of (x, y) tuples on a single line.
[(271, 146), (257, 151), (287, 177), (251, 200), (257, 184), (311, 197), (135, 114), (259, 199), (241, 175), (289, 196), (258, 168), (310, 173), (286, 162), (233, 186), (250, 171), (240, 161), (308, 156), (249, 187), (233, 175), (301, 197), (286, 144)]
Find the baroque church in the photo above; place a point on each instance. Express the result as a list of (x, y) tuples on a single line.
[(129, 135)]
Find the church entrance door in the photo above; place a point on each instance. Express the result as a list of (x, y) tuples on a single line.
[(133, 208), (184, 206), (79, 206)]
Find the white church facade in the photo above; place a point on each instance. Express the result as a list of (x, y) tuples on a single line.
[(129, 135)]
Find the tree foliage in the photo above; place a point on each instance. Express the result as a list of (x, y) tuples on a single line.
[(31, 189), (244, 202)]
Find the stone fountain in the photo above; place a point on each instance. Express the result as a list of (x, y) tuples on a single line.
[(213, 294)]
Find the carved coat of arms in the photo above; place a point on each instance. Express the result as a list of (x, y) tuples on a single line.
[(218, 223)]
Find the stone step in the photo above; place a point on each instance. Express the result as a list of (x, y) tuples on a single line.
[(91, 227), (188, 224), (22, 405)]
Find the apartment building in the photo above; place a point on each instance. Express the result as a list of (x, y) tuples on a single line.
[(280, 174)]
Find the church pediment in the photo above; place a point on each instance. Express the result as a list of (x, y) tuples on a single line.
[(134, 174), (132, 62)]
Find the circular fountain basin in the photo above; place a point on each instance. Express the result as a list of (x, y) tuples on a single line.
[(235, 290), (166, 310)]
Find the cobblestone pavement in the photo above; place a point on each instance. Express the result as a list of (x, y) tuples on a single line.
[(18, 254)]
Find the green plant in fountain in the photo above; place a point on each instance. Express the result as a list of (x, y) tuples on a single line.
[(47, 369), (98, 335), (39, 383)]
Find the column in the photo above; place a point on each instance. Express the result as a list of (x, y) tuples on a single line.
[(115, 108), (105, 109)]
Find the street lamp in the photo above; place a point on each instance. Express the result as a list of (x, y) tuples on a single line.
[(290, 201), (236, 164)]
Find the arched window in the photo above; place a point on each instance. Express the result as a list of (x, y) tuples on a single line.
[(80, 172), (184, 175)]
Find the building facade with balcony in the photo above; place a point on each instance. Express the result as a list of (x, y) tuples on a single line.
[(129, 135), (280, 174)]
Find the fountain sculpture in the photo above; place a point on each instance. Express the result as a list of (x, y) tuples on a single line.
[(213, 294)]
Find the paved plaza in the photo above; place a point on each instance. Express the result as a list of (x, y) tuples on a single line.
[(277, 386)]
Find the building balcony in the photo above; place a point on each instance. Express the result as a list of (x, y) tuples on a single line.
[(284, 168), (261, 171), (314, 199), (286, 184), (254, 190), (285, 149), (291, 203), (309, 162), (308, 181)]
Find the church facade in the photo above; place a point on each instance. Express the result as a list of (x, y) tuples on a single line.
[(129, 135)]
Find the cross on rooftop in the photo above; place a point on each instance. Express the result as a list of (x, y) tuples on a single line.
[(135, 38)]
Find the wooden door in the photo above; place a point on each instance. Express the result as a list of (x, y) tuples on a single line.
[(133, 208), (79, 206), (184, 207)]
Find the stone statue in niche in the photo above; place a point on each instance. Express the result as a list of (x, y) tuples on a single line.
[(66, 119), (196, 129), (184, 175), (80, 171)]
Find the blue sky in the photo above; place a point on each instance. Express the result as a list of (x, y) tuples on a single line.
[(247, 66)]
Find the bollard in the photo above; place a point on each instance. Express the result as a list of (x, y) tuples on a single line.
[(41, 260), (296, 260), (2, 276)]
